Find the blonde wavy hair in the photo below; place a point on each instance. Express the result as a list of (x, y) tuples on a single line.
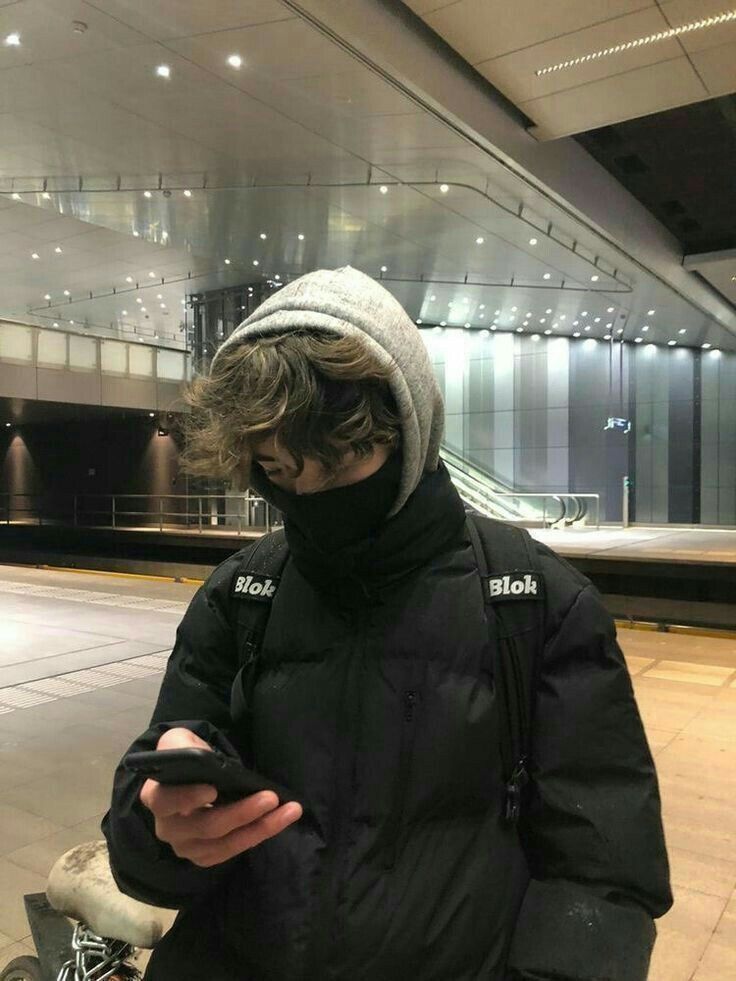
[(318, 394)]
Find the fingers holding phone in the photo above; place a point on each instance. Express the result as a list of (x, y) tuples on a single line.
[(205, 835)]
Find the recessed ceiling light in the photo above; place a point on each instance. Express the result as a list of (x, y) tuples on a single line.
[(683, 330), (532, 241), (671, 343), (419, 320), (695, 25), (187, 193), (587, 327), (163, 71), (15, 196), (638, 340), (548, 310), (67, 293), (147, 194), (597, 320), (548, 331), (610, 310), (152, 275), (124, 313), (576, 333), (383, 189), (47, 296), (71, 322), (55, 324), (136, 234), (128, 279), (263, 236), (609, 325), (12, 40), (300, 237), (444, 188), (256, 262), (58, 250), (432, 298), (535, 337), (620, 330), (497, 313), (543, 320), (35, 255), (547, 276), (235, 61), (555, 324), (519, 330), (595, 278), (563, 316), (715, 353), (706, 346), (481, 316), (650, 313), (163, 306), (584, 313), (227, 262), (467, 325), (159, 296), (514, 309), (46, 196), (606, 337), (384, 268), (480, 240), (443, 323), (138, 300), (575, 323), (645, 327), (143, 310), (526, 323)]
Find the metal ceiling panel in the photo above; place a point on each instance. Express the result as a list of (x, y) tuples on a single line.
[(166, 19), (479, 30)]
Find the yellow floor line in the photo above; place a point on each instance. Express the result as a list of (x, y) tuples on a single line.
[(120, 575)]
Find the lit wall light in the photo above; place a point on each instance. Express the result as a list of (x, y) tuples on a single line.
[(163, 71), (695, 25)]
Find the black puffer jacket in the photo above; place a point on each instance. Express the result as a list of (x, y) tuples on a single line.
[(402, 867)]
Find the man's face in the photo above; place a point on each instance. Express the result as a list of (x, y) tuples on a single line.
[(280, 468)]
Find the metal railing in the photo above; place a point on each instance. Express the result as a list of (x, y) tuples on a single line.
[(231, 513)]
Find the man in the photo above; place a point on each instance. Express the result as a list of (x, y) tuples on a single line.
[(374, 703)]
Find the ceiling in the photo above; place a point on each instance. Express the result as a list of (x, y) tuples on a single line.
[(209, 177), (508, 43)]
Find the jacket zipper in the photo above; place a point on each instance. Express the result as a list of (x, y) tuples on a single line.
[(407, 741), (329, 880), (519, 776)]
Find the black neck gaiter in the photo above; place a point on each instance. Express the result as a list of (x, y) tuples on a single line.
[(332, 520)]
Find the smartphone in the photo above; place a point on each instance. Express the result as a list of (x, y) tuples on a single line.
[(229, 777)]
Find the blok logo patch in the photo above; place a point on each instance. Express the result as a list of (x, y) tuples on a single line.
[(255, 587), (514, 585)]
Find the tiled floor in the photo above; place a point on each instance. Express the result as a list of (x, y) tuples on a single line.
[(58, 752)]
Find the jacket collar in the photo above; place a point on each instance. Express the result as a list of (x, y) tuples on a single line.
[(430, 522)]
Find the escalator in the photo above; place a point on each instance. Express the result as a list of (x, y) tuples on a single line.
[(486, 495)]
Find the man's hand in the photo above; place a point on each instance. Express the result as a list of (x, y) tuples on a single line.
[(206, 835)]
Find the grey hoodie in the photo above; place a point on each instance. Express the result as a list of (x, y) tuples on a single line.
[(349, 303)]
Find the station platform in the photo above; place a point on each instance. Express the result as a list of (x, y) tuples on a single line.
[(661, 574), (81, 663)]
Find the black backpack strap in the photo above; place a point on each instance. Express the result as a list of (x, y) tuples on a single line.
[(252, 590), (514, 595)]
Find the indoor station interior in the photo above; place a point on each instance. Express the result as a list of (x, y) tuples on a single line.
[(547, 189)]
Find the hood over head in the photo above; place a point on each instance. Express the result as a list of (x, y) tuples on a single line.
[(346, 302)]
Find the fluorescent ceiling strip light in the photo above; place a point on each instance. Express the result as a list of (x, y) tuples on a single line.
[(695, 25)]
